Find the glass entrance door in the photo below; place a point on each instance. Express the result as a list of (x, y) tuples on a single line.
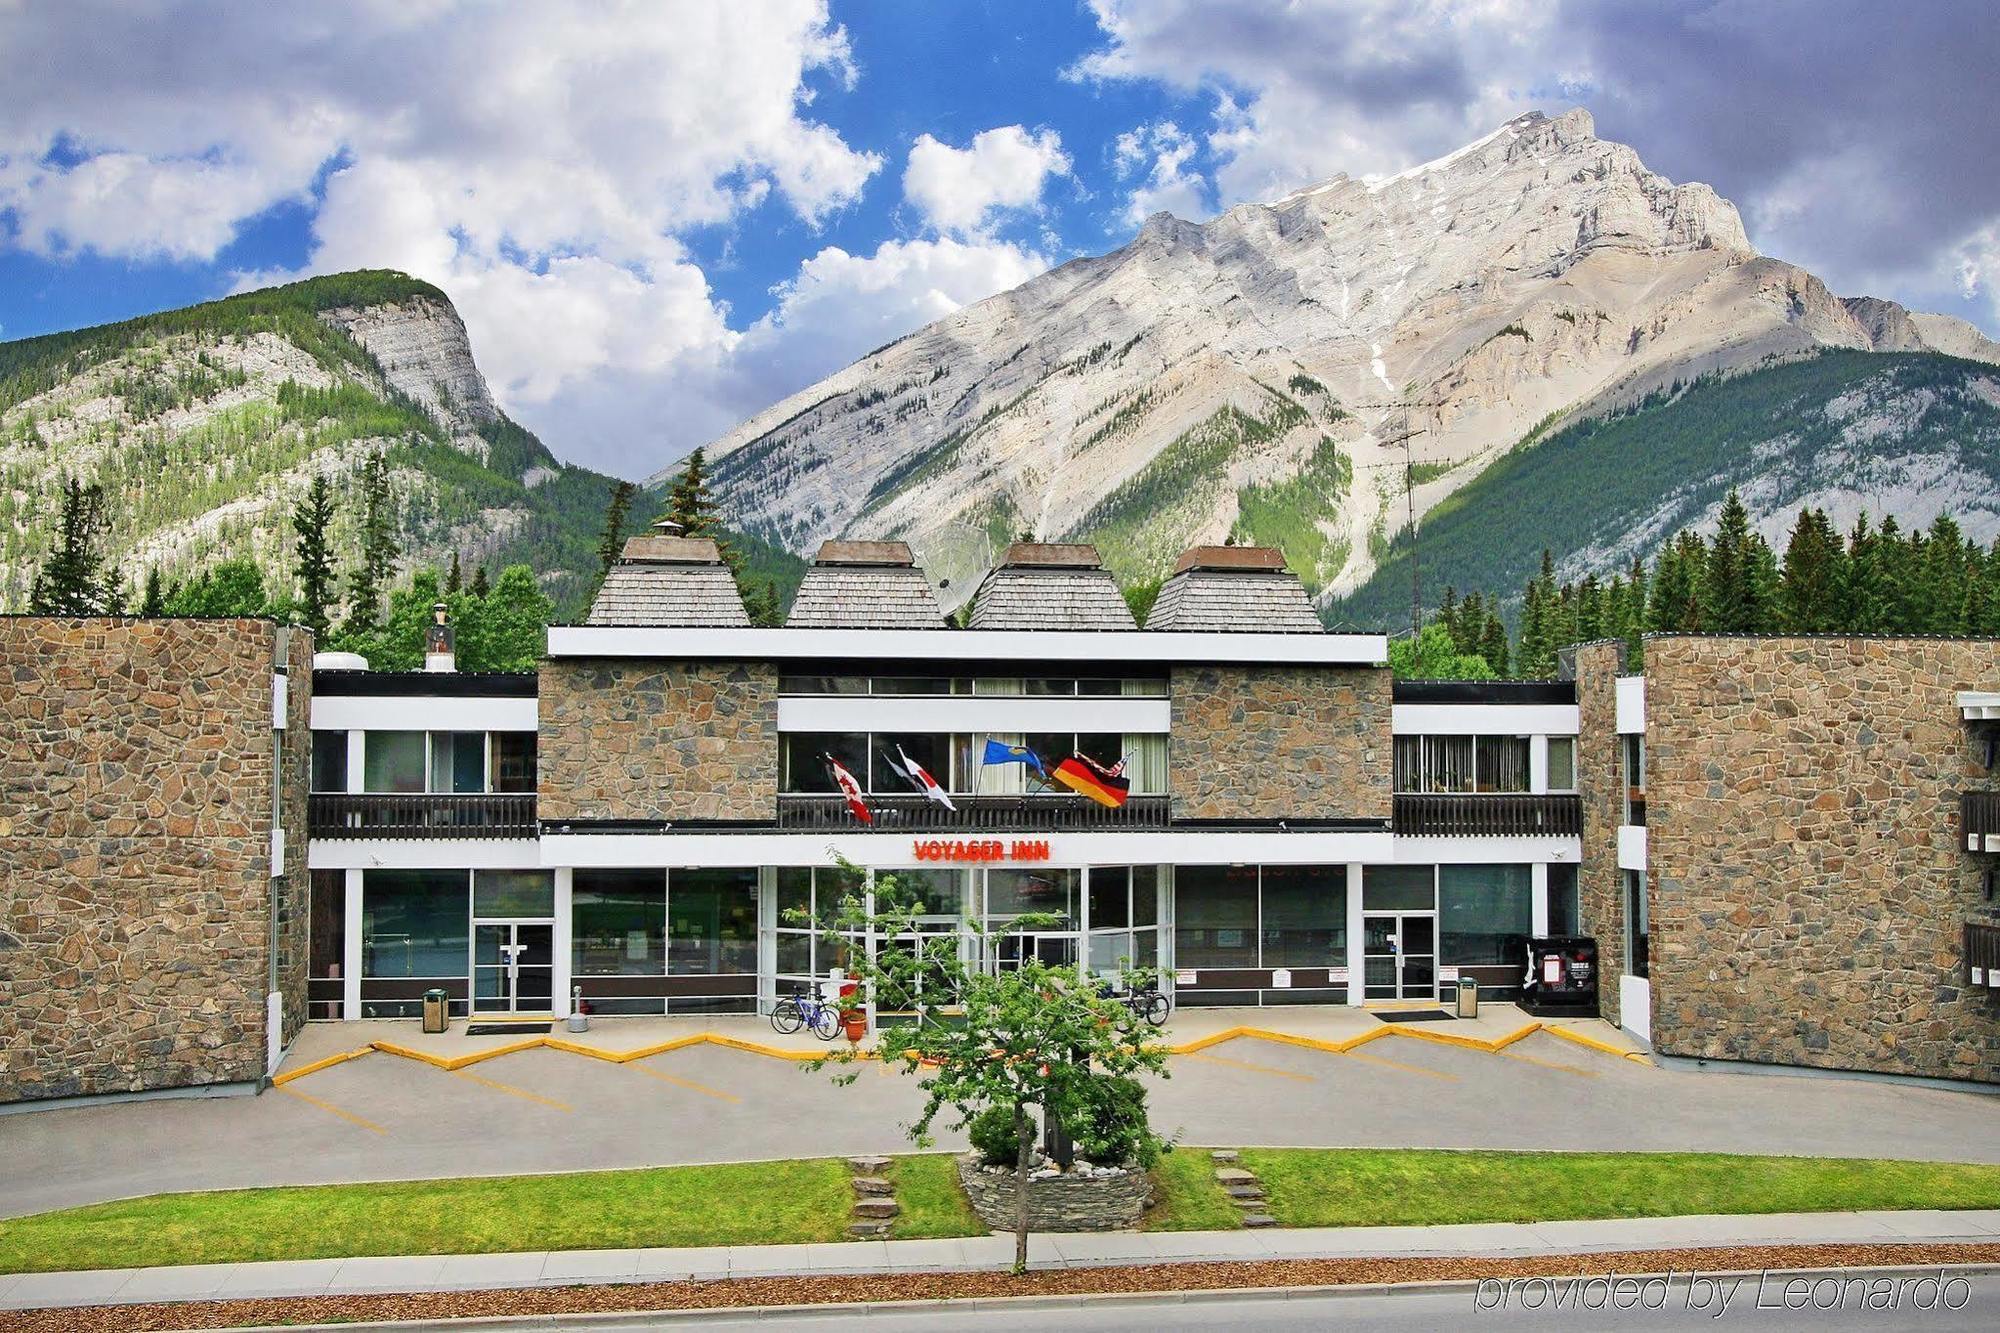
[(513, 967), (1399, 956)]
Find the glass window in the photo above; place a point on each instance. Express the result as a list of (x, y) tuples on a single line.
[(618, 923), (326, 947), (513, 761), (712, 922), (329, 761), (1305, 916), (1562, 763), (1107, 748), (393, 761), (1484, 913), (805, 769), (513, 893), (1565, 915), (803, 684), (913, 685), (932, 751), (1145, 895), (1147, 768), (1448, 763), (1052, 747), (1503, 763), (414, 924), (1398, 888), (1050, 892), (1105, 687), (1632, 764), (1048, 685), (1215, 916), (1110, 897), (1638, 925), (458, 761), (926, 892), (1409, 760), (1143, 687)]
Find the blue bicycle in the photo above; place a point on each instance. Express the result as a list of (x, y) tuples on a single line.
[(801, 1010)]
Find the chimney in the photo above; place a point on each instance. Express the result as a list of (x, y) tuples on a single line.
[(666, 527), (438, 655)]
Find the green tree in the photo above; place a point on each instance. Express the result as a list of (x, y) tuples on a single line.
[(74, 580), (312, 547), (153, 602), (516, 630), (1433, 655), (1808, 592), (1027, 1040), (1674, 601), (378, 545), (613, 540), (1860, 602), (232, 588), (1739, 584), (1943, 579), (480, 586), (1493, 643), (454, 579)]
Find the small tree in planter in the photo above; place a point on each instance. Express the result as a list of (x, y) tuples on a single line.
[(1020, 1040)]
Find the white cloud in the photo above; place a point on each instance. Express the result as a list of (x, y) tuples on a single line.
[(958, 190), (1158, 155)]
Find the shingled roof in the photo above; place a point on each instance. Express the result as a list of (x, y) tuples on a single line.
[(673, 581), (1234, 590), (1045, 586), (865, 585)]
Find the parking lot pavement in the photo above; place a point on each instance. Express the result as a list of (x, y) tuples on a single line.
[(384, 1117)]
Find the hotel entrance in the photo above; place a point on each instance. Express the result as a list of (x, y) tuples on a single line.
[(1399, 956), (513, 967)]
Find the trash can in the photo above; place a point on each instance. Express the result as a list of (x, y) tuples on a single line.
[(437, 1010), (1468, 998)]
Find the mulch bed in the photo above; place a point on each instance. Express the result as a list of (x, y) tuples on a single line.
[(738, 1292)]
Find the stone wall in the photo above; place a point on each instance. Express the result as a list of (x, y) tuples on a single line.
[(1600, 782), (1057, 1203), (1808, 884), (1272, 742), (136, 813), (650, 740)]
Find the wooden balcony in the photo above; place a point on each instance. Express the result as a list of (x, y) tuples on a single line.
[(1982, 954), (400, 815), (1039, 813), (1979, 820), (1489, 815)]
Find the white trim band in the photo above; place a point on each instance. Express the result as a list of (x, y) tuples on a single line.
[(1037, 647)]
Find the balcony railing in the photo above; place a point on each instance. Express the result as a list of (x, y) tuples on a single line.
[(1982, 954), (1489, 815), (403, 815), (975, 814), (1978, 818)]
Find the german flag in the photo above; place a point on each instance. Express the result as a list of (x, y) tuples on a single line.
[(1091, 779)]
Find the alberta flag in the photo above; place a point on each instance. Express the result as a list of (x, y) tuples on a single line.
[(849, 788), (919, 777), (999, 752)]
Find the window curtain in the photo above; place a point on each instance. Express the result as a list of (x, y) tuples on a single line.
[(1503, 763), (1409, 753), (1448, 763), (1147, 767), (993, 779)]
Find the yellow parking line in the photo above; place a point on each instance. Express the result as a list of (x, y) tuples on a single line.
[(510, 1089), (348, 1116), (687, 1083), (1245, 1064), (1546, 1064), (1394, 1064)]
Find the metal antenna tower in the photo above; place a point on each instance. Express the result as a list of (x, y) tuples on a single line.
[(1403, 435)]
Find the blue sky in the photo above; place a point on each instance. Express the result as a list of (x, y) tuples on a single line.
[(657, 219)]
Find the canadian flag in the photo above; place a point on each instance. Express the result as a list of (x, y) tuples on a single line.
[(921, 778), (849, 788)]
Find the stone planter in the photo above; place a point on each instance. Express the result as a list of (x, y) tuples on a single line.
[(1113, 1202)]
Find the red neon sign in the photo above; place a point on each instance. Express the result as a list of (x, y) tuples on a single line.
[(981, 849)]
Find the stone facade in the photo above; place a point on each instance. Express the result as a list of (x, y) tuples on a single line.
[(1057, 1203), (1272, 742), (1808, 884), (650, 741), (137, 808), (1600, 786)]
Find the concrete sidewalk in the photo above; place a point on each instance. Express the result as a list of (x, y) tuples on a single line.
[(484, 1272)]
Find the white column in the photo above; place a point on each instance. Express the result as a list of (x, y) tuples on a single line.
[(1355, 970), (350, 952), (767, 938), (1083, 921), (868, 942), (1538, 899), (357, 760), (559, 950), (1538, 763)]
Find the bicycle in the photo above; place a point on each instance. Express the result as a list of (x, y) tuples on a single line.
[(802, 1010), (1144, 1002)]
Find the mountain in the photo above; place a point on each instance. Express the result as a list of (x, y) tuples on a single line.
[(205, 425), (1255, 375)]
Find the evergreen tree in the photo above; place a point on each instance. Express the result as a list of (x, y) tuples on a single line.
[(74, 580), (1739, 583), (480, 587), (233, 588), (1942, 580), (378, 545), (454, 579), (1674, 602), (613, 541), (1635, 615), (154, 600), (1589, 611), (1809, 586), (691, 504), (1896, 563), (1493, 644), (311, 519), (1860, 603)]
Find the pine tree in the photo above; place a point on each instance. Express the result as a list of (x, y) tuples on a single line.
[(74, 581), (454, 579), (378, 545), (311, 519), (480, 587), (1493, 645), (1858, 606), (1896, 562), (153, 602), (1674, 601), (613, 541), (1740, 579), (1808, 593), (1589, 611), (1943, 579), (1635, 617)]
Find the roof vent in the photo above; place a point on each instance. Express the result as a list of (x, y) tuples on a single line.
[(1045, 585), (1234, 590), (865, 585), (438, 639)]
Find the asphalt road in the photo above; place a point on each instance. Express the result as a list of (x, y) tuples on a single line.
[(1837, 1300)]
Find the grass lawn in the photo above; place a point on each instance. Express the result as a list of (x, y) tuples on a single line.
[(1400, 1187), (932, 1202), (1189, 1198)]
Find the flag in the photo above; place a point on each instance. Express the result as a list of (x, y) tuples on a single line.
[(1106, 786), (999, 752), (849, 788), (918, 777)]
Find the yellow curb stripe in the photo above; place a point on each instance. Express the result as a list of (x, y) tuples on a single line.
[(510, 1089), (1244, 1064), (1596, 1044), (329, 1107), (1366, 1058), (280, 1080), (687, 1083), (1448, 1039)]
